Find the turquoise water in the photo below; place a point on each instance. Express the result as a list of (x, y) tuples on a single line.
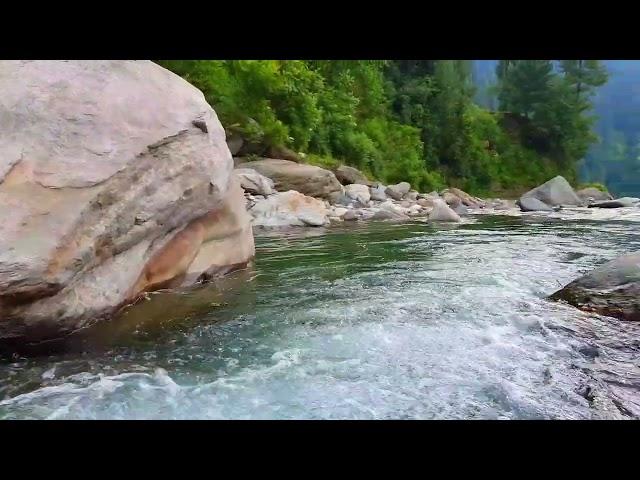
[(369, 321)]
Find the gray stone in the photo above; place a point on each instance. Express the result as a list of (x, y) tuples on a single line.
[(358, 192), (556, 191), (531, 204), (289, 209), (377, 193), (398, 191), (251, 181), (442, 212), (350, 215)]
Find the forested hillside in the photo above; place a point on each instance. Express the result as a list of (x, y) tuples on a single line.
[(410, 120)]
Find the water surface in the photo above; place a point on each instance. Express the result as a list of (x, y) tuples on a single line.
[(365, 321)]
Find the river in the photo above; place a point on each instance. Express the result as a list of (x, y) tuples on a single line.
[(364, 321)]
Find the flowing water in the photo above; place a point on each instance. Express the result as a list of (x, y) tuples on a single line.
[(365, 321)]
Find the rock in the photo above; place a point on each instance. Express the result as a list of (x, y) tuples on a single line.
[(109, 187), (389, 212), (252, 181), (467, 199), (398, 191), (461, 209), (617, 203), (306, 179), (234, 143), (405, 204), (532, 204), (289, 209), (349, 175), (358, 192), (556, 191), (613, 289), (340, 212), (503, 204), (283, 153), (350, 215), (414, 210), (412, 195), (432, 195), (451, 199), (339, 198), (442, 213), (593, 194), (377, 193), (425, 202)]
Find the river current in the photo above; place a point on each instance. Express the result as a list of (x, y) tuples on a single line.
[(365, 321)]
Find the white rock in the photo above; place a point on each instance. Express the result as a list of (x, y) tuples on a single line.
[(358, 192), (289, 209)]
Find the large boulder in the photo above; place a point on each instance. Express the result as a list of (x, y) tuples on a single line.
[(556, 191), (289, 209), (451, 199), (613, 289), (252, 182), (115, 179), (441, 212), (532, 204), (287, 175), (358, 192), (617, 203), (348, 175), (398, 191), (591, 194)]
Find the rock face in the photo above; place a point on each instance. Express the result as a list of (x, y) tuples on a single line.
[(442, 213), (252, 182), (307, 179), (377, 193), (556, 191), (289, 209), (349, 175), (398, 191), (617, 203), (593, 194), (612, 289), (109, 186), (358, 192), (532, 204)]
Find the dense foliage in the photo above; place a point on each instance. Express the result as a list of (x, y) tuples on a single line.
[(408, 120)]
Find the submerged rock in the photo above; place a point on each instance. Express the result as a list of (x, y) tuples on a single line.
[(109, 187), (612, 289)]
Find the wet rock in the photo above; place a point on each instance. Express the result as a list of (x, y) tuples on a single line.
[(613, 289), (350, 215), (617, 203)]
